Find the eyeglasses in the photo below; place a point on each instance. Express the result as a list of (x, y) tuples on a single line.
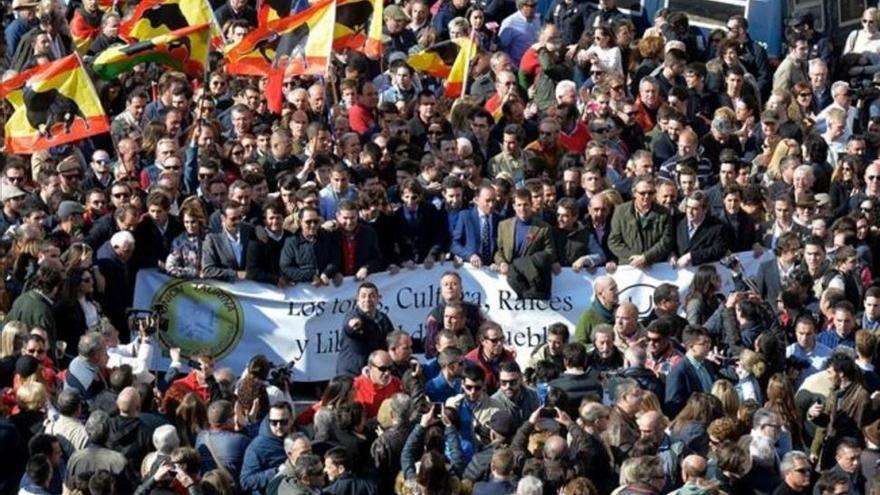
[(867, 21), (509, 383), (803, 470), (495, 340), (646, 193), (102, 161), (382, 369), (121, 195), (279, 422), (655, 340), (805, 95), (601, 130), (178, 167), (597, 72), (35, 352), (473, 387), (313, 221), (15, 179)]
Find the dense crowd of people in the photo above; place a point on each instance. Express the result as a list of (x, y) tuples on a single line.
[(581, 142)]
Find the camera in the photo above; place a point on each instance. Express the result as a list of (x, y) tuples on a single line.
[(150, 320), (281, 375)]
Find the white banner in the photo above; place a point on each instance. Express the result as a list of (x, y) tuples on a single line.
[(303, 324)]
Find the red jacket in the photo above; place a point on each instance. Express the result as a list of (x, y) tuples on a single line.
[(490, 368), (371, 396), (191, 382)]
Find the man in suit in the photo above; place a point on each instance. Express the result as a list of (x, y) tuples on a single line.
[(312, 254), (475, 237), (693, 374), (783, 212), (523, 235), (774, 274), (154, 233), (421, 238), (359, 244), (699, 237), (740, 226), (224, 254), (641, 233), (263, 257)]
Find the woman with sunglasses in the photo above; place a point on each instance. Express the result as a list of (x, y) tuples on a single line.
[(846, 182), (76, 311)]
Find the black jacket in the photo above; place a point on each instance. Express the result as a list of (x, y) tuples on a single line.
[(423, 236), (151, 245), (130, 437), (577, 387), (263, 259), (301, 260), (349, 484), (355, 346), (707, 245)]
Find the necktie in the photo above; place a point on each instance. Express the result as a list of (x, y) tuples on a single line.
[(485, 241)]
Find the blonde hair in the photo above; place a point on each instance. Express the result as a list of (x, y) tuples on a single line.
[(725, 113), (725, 392), (32, 396), (649, 402), (782, 151), (752, 362), (11, 330)]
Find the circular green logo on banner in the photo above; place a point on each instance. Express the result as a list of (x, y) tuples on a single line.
[(200, 316)]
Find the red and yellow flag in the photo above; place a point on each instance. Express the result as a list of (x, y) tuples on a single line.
[(299, 41), (359, 26), (458, 73), (185, 50), (152, 18), (82, 32), (436, 60), (272, 10), (53, 104)]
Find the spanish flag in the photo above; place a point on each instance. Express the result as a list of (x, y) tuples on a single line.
[(84, 32), (458, 73), (272, 10), (436, 60), (185, 50), (359, 26), (152, 18), (53, 104), (302, 40)]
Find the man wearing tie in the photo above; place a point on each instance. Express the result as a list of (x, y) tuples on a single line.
[(699, 237), (522, 235), (477, 230), (224, 255)]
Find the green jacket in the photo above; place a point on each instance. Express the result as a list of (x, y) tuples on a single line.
[(596, 314), (35, 310), (653, 236)]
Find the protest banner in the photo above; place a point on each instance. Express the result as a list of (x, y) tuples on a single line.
[(302, 323)]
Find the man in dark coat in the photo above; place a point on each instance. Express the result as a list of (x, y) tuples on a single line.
[(34, 307), (363, 331), (312, 254), (418, 221), (343, 480), (699, 237), (114, 263), (128, 434), (154, 233), (641, 232), (693, 374), (263, 258), (358, 243)]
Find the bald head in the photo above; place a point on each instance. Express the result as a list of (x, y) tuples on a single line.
[(651, 425), (606, 291), (128, 402), (554, 447), (693, 467), (628, 309)]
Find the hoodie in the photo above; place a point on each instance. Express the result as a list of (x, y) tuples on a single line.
[(261, 460)]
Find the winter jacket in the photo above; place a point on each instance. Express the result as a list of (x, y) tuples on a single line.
[(261, 460)]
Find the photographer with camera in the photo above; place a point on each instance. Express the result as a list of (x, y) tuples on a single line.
[(140, 353)]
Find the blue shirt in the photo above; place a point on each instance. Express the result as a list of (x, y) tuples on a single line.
[(517, 34), (816, 359), (830, 339), (439, 390), (520, 234)]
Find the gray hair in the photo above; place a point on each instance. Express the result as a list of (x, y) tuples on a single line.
[(529, 485), (291, 439), (762, 415), (636, 356), (602, 328), (122, 238), (401, 408), (790, 459), (564, 86), (98, 427), (165, 439), (90, 344), (625, 386), (816, 63), (459, 24), (838, 86), (308, 465)]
